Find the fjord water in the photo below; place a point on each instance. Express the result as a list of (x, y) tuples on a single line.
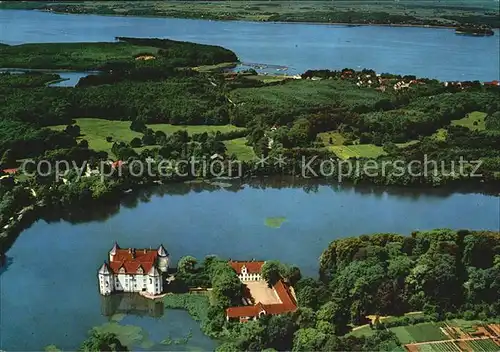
[(425, 52), (48, 292)]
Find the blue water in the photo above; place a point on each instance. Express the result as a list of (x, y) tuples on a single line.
[(425, 52)]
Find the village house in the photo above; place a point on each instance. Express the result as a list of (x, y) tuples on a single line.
[(134, 270), (252, 271)]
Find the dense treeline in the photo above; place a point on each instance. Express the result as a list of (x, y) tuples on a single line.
[(436, 271), (432, 13)]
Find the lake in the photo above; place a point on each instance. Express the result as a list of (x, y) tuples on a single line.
[(49, 293), (425, 52)]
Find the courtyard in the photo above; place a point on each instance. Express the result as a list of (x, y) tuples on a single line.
[(260, 292)]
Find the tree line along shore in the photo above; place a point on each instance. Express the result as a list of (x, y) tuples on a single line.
[(481, 14)]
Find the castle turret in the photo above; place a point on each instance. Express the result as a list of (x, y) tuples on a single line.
[(105, 280), (155, 284), (163, 259), (113, 250)]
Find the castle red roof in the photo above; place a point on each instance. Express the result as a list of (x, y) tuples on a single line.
[(132, 259), (240, 312), (252, 267)]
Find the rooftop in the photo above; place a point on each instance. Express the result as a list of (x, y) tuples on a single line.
[(133, 261), (253, 267)]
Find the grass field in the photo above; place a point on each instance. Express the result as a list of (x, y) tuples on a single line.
[(357, 151), (419, 333), (240, 149), (78, 56), (95, 131), (336, 138), (473, 121)]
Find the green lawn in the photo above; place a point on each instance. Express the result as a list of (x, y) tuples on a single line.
[(357, 151), (240, 149), (419, 333), (95, 131), (336, 138), (473, 121)]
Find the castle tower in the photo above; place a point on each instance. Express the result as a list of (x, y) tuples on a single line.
[(155, 284), (163, 259), (106, 281), (113, 250)]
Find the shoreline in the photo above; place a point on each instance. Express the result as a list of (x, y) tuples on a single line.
[(345, 24)]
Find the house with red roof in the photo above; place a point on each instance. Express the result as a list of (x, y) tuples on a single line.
[(247, 271), (252, 271), (133, 270), (9, 171)]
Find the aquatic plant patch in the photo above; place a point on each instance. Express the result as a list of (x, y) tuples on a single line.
[(275, 222)]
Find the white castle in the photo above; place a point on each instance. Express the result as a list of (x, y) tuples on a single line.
[(134, 270)]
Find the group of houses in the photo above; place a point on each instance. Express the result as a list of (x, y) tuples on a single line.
[(252, 272)]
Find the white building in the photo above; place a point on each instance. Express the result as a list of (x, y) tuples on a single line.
[(248, 271), (133, 270)]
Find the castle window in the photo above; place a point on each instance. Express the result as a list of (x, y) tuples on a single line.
[(150, 280)]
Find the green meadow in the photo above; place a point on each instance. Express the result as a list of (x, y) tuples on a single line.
[(95, 131), (357, 151), (419, 333), (473, 121), (240, 149)]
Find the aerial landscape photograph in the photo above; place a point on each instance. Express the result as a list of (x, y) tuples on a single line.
[(260, 175)]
